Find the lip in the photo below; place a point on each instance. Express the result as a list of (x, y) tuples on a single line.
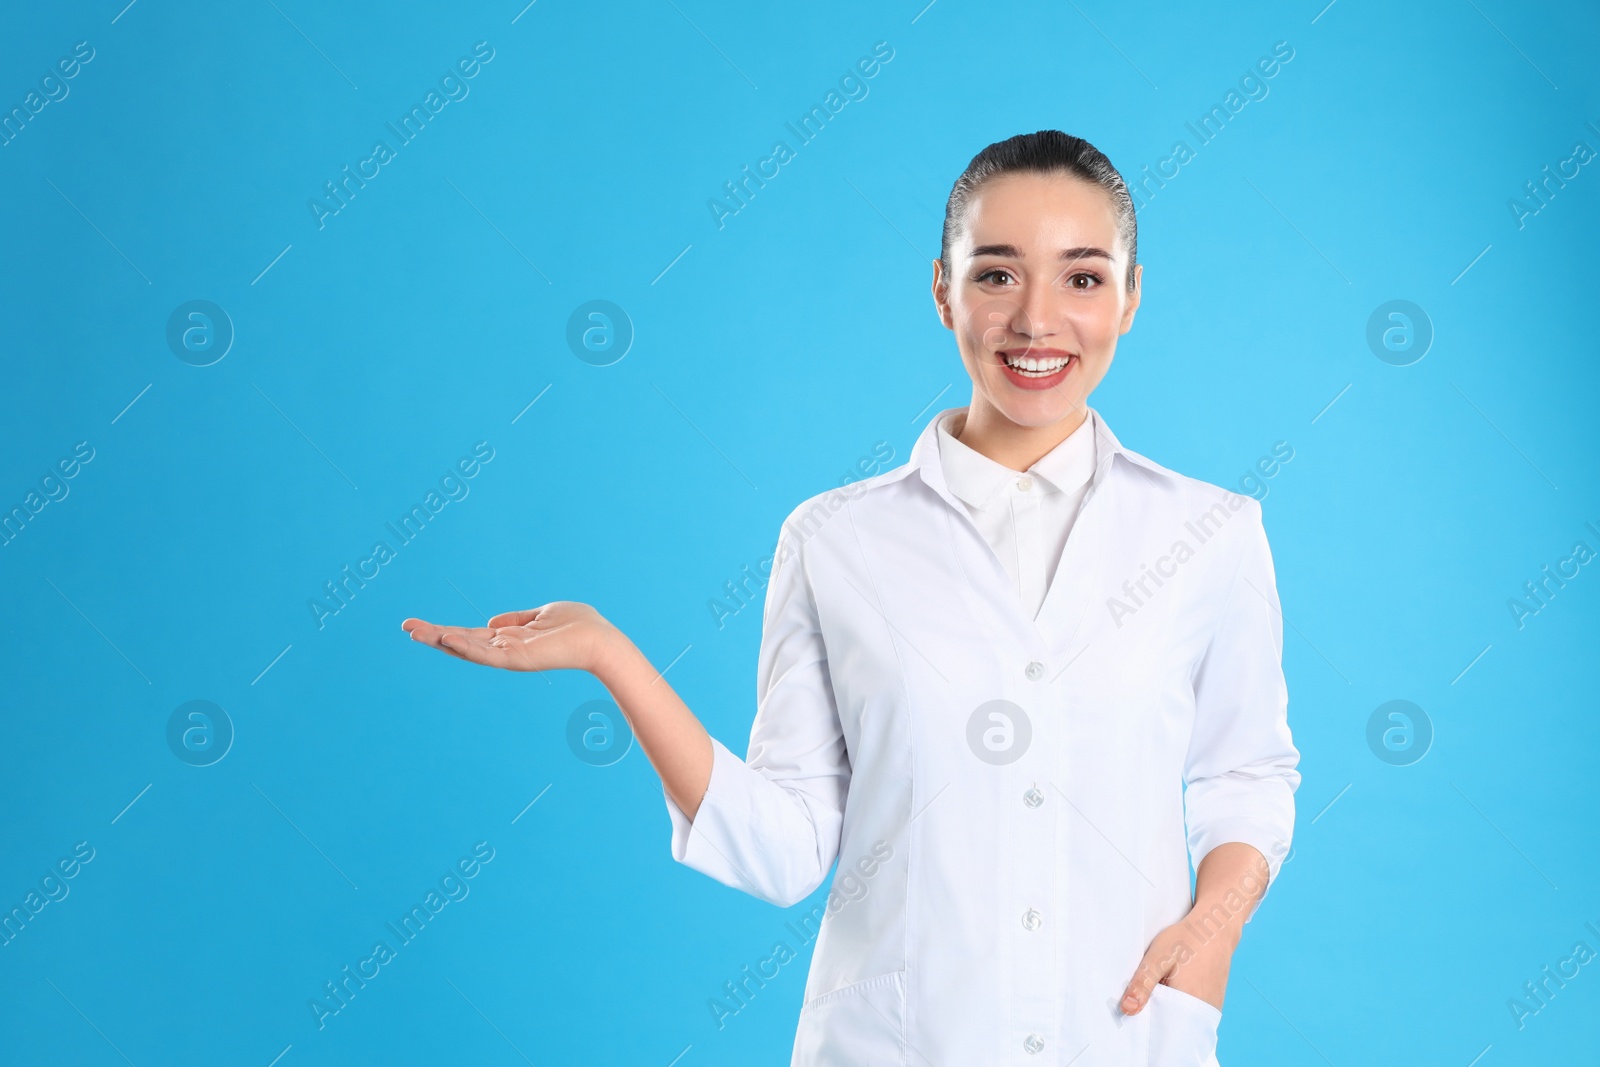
[(1023, 381)]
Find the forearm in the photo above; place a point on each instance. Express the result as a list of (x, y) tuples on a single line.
[(674, 741), (1231, 879)]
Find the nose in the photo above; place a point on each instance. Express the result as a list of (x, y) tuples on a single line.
[(1035, 313), (1030, 314)]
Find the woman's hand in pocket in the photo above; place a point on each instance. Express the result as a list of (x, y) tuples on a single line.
[(1193, 955), (562, 635), (1188, 962)]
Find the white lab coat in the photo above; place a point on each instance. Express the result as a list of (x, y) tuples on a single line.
[(1004, 866)]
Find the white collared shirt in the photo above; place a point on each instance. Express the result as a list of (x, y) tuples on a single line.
[(1013, 801), (1025, 516)]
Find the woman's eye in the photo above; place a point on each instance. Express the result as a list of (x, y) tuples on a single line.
[(1087, 279), (996, 274)]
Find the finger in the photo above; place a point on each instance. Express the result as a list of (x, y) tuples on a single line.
[(463, 635), (515, 618), (429, 634), (1149, 973), (475, 648), (425, 632)]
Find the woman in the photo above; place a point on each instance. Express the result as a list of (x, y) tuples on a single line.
[(1009, 685)]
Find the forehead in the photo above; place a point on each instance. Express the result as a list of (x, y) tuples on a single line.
[(1043, 212)]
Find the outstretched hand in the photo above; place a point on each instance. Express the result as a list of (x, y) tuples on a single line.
[(561, 635)]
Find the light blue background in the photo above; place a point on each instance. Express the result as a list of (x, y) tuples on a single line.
[(771, 357)]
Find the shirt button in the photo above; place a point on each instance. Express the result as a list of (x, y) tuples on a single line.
[(1024, 483), (1033, 798), (1031, 919), (1033, 1043), (1034, 671)]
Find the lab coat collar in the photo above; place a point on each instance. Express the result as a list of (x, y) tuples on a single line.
[(925, 456), (977, 479)]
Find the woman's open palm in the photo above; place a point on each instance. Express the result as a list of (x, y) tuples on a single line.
[(561, 635)]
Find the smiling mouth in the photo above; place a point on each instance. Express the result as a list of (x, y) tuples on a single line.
[(1036, 362)]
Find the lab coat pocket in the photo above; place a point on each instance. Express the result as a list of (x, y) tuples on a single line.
[(1183, 1029), (861, 1023)]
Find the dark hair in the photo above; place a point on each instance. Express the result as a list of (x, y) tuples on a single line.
[(1045, 152)]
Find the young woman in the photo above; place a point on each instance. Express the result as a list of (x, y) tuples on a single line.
[(1010, 686)]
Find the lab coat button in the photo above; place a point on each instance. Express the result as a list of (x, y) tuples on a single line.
[(1034, 671), (1031, 919), (1024, 483), (1033, 798), (1033, 1043)]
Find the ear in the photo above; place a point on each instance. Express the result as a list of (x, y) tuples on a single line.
[(1133, 299), (941, 294)]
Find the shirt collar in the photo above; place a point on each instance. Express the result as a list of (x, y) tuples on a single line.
[(976, 479), (925, 454)]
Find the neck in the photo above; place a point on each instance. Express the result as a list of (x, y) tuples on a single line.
[(986, 431)]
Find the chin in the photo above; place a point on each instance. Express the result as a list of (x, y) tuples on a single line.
[(1040, 415), (1044, 408)]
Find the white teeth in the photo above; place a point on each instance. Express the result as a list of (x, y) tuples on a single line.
[(1027, 364)]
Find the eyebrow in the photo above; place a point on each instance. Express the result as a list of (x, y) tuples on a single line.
[(1083, 252)]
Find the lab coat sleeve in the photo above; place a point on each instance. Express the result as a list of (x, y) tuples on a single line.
[(1241, 770), (770, 824)]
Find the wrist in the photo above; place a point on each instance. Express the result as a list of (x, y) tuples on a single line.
[(609, 650), (1218, 917)]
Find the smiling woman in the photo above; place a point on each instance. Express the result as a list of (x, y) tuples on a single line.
[(937, 673), (1046, 233)]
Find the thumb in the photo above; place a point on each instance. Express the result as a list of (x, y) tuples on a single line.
[(1151, 970)]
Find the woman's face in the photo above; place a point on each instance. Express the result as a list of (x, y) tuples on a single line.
[(1036, 294)]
